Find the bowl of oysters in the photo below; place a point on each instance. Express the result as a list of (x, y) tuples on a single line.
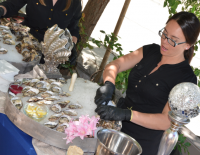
[(36, 111)]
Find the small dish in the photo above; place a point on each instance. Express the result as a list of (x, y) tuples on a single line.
[(15, 89), (35, 111)]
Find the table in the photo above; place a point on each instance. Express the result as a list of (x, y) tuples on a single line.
[(23, 144)]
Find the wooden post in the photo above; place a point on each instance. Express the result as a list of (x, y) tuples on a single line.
[(116, 31)]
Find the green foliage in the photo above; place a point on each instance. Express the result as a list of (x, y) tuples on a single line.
[(182, 144), (192, 6), (68, 66), (110, 40)]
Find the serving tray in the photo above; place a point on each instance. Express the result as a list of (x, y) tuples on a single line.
[(84, 92)]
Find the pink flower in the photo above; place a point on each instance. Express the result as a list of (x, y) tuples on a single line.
[(69, 139), (81, 131), (84, 119), (85, 126)]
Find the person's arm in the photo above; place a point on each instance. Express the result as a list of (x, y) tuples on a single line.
[(159, 121), (104, 93), (152, 121), (121, 64), (11, 7), (5, 10), (73, 25)]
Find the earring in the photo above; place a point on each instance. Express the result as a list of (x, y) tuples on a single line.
[(186, 49)]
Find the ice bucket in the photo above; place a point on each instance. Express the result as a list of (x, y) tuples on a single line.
[(112, 142)]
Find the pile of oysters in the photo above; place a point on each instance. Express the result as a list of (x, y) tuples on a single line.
[(29, 46)]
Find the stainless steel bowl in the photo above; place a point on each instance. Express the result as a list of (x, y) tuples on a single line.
[(112, 142)]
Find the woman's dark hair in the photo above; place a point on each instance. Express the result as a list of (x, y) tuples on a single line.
[(190, 26)]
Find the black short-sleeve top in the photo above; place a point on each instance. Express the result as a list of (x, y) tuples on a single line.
[(40, 18), (149, 93)]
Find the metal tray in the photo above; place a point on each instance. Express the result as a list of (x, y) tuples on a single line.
[(47, 135), (42, 133)]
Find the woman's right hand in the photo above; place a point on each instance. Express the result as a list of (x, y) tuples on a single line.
[(104, 93)]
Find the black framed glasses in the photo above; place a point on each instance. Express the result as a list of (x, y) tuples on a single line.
[(170, 41)]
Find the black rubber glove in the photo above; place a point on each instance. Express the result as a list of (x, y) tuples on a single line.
[(1, 12), (104, 93), (73, 56), (113, 113), (120, 102)]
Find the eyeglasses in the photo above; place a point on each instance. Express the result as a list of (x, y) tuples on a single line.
[(170, 41)]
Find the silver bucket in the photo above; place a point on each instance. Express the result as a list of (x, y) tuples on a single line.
[(112, 142)]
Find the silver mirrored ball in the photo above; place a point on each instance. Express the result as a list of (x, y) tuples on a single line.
[(184, 100)]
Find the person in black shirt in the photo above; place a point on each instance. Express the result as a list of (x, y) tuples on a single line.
[(156, 69), (43, 14)]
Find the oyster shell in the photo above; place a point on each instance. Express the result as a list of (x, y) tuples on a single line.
[(51, 124), (50, 80), (31, 92), (26, 55), (5, 32), (35, 99), (52, 98), (9, 42), (44, 102), (18, 48), (56, 84), (19, 38), (45, 87), (56, 89), (109, 124), (33, 55), (62, 80), (4, 27), (3, 50), (26, 89), (17, 102), (70, 112), (56, 108), (55, 117), (47, 94), (63, 104), (7, 36), (11, 95), (40, 84), (27, 81), (75, 106), (62, 127), (64, 119), (33, 82), (64, 94)]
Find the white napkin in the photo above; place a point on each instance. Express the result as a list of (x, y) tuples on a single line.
[(7, 73)]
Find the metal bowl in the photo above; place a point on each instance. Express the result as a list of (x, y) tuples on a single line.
[(112, 142)]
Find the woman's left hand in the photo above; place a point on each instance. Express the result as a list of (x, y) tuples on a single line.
[(113, 113), (74, 39)]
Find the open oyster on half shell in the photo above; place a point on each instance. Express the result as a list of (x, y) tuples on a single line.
[(31, 92), (17, 102)]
